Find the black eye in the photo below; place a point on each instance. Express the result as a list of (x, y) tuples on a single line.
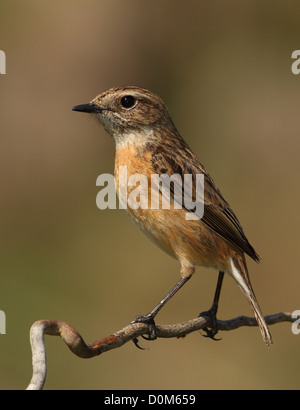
[(128, 101)]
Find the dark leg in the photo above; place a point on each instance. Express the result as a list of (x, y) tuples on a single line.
[(149, 318), (212, 312)]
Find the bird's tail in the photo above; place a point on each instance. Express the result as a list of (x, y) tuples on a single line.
[(240, 274)]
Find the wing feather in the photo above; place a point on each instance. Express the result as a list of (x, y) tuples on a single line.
[(218, 215)]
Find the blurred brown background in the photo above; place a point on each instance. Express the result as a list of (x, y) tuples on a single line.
[(224, 71)]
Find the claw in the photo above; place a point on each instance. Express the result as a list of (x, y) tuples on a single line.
[(136, 342), (210, 334), (148, 320), (212, 314)]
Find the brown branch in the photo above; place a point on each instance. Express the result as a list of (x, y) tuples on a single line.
[(77, 345)]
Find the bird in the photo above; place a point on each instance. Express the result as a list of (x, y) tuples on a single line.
[(148, 143)]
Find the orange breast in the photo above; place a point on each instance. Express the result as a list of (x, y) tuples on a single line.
[(189, 241)]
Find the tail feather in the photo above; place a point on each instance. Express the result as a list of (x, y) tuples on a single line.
[(260, 320), (240, 274)]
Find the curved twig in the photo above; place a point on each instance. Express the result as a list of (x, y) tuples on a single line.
[(78, 346)]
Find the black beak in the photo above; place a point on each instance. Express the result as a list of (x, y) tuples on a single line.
[(89, 108)]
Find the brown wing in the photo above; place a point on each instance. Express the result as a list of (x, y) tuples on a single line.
[(218, 215)]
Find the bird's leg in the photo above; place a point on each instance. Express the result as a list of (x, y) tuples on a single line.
[(149, 317), (212, 312)]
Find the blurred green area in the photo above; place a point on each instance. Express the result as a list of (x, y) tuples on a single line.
[(224, 71)]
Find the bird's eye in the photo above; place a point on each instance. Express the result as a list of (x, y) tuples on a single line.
[(128, 101)]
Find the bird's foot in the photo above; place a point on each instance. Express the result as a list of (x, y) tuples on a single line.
[(213, 328), (148, 320)]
